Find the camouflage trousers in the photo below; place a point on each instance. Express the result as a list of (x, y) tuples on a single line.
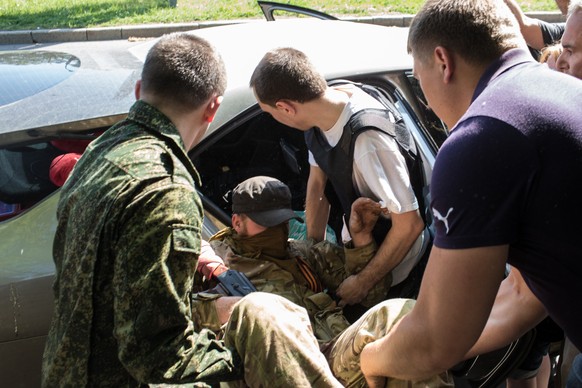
[(276, 343), (344, 353), (273, 337)]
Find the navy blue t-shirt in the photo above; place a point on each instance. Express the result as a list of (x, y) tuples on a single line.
[(511, 173)]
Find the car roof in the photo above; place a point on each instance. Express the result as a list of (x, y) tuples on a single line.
[(100, 91)]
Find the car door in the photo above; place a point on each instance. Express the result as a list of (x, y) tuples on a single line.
[(270, 8), (256, 144)]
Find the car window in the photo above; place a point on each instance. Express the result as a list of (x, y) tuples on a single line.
[(258, 146), (31, 172)]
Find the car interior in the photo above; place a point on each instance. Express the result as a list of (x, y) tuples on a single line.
[(259, 146), (25, 169)]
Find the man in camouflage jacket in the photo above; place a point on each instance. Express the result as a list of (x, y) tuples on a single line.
[(127, 244), (304, 273)]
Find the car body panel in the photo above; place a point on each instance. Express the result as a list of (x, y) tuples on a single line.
[(101, 89)]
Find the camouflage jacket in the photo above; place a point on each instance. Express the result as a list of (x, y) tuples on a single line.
[(125, 250), (328, 263)]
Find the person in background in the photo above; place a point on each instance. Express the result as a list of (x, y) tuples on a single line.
[(538, 33), (550, 55), (570, 60), (515, 141)]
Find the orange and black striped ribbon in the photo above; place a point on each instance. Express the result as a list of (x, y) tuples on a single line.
[(312, 280)]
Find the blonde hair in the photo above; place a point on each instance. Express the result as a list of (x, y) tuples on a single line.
[(551, 52)]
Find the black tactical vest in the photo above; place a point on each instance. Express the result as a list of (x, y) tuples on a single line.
[(337, 162)]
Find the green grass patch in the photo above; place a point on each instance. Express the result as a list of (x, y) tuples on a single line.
[(48, 14)]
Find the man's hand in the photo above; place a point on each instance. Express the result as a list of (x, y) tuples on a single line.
[(365, 213), (353, 290), (373, 381), (224, 307)]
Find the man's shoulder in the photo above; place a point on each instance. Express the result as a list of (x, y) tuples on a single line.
[(527, 93), (142, 157)]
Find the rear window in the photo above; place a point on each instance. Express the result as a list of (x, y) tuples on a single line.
[(26, 73)]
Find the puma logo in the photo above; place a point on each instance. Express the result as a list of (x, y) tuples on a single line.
[(440, 217)]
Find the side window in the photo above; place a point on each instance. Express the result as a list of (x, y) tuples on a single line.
[(259, 146), (31, 172)]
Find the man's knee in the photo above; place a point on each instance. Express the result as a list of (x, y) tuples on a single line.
[(264, 305)]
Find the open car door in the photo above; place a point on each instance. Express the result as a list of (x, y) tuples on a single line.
[(269, 8)]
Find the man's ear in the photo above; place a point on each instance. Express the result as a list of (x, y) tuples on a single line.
[(137, 89), (211, 108), (235, 221), (446, 62), (286, 106)]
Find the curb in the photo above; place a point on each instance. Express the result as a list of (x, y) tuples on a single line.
[(156, 30)]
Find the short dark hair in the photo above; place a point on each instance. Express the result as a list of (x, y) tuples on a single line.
[(184, 70), (478, 31), (287, 73)]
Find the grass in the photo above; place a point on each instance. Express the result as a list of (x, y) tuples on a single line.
[(47, 14)]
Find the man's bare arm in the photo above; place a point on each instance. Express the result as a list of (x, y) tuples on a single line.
[(456, 296), (515, 311), (529, 27), (406, 228), (316, 204)]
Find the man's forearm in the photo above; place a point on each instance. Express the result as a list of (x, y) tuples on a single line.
[(529, 27), (393, 249), (532, 33), (515, 311), (416, 344), (316, 215), (455, 299), (316, 205)]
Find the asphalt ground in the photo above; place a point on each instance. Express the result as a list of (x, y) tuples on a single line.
[(155, 30)]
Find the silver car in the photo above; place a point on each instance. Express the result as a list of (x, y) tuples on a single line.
[(55, 92)]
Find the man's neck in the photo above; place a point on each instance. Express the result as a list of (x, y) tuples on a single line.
[(327, 110)]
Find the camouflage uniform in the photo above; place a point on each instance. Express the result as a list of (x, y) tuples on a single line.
[(339, 341), (125, 250), (327, 264), (343, 354)]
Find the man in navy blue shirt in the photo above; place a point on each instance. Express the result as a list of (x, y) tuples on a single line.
[(505, 189)]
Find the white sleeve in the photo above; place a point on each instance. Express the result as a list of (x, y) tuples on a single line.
[(380, 172)]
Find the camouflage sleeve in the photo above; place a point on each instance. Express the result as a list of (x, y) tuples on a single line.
[(334, 263), (358, 258), (157, 251)]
